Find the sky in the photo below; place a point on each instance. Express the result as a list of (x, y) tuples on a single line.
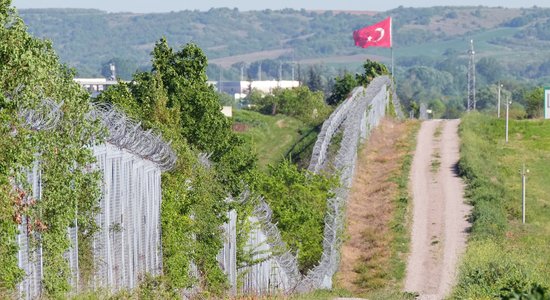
[(146, 6)]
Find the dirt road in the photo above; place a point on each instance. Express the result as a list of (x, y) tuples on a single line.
[(439, 212)]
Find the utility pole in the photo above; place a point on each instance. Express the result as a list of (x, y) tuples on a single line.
[(260, 72), (471, 78), (112, 68), (220, 81), (523, 173), (507, 117), (498, 105), (242, 72)]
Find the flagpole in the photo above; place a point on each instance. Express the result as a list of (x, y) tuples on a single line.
[(391, 43), (392, 62)]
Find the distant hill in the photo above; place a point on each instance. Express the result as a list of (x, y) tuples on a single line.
[(515, 43)]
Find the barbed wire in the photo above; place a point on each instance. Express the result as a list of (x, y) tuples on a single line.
[(45, 116), (123, 132), (282, 254), (126, 133), (356, 117)]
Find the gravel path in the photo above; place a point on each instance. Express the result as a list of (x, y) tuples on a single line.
[(440, 225)]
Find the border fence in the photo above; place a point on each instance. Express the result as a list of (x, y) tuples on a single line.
[(355, 117), (128, 242), (131, 161), (277, 270)]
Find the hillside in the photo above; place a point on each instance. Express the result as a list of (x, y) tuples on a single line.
[(87, 39), (273, 137)]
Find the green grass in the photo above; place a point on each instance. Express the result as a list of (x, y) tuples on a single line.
[(400, 224), (503, 252), (272, 136)]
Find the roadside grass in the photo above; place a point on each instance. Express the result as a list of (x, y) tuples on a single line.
[(502, 252), (381, 269), (273, 136), (400, 225)]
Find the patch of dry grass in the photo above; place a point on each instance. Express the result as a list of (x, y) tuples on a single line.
[(369, 255)]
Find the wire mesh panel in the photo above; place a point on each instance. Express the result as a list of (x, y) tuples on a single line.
[(128, 243), (228, 255), (265, 276), (30, 250)]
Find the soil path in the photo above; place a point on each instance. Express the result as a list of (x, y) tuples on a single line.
[(440, 225)]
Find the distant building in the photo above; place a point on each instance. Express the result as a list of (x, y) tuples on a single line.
[(95, 85), (239, 88)]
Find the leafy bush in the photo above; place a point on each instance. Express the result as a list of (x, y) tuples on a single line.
[(342, 89), (29, 73), (299, 102), (298, 199), (372, 69), (176, 99)]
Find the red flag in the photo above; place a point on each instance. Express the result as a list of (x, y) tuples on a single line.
[(377, 35)]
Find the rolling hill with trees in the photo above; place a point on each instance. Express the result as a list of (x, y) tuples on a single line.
[(430, 46)]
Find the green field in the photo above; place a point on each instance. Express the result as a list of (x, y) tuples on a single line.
[(502, 252), (273, 136)]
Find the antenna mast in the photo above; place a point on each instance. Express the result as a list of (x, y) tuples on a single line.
[(471, 78)]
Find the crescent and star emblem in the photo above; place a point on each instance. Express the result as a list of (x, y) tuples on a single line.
[(382, 32)]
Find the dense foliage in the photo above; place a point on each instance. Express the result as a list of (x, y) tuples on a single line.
[(342, 88), (371, 69), (175, 98), (298, 199), (299, 102), (29, 73)]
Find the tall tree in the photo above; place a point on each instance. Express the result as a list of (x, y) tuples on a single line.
[(534, 103)]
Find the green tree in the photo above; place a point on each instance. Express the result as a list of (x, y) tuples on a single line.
[(299, 102), (534, 103), (342, 88), (371, 70), (438, 108), (314, 79), (194, 192), (489, 69)]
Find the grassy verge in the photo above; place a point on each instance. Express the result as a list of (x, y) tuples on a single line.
[(505, 257), (391, 287), (273, 136), (377, 232)]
